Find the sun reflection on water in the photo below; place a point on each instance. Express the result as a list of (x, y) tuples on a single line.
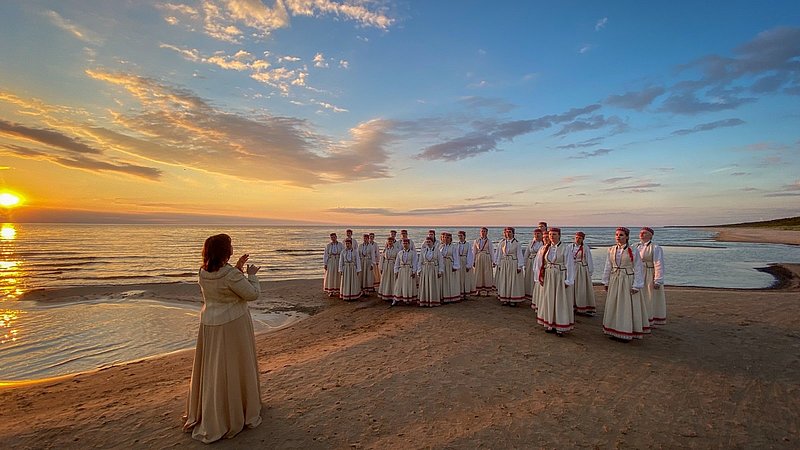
[(8, 232), (10, 269), (8, 332)]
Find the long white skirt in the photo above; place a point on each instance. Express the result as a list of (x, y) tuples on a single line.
[(625, 315), (351, 283), (367, 276), (451, 286), (405, 286), (484, 277), (466, 279), (333, 280), (430, 292), (386, 286), (530, 279), (583, 291), (510, 282), (555, 309), (655, 299)]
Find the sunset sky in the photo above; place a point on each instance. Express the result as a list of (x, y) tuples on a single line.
[(400, 112)]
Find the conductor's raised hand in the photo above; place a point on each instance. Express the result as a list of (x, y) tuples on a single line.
[(240, 263)]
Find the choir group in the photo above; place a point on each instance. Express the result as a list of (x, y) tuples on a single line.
[(555, 277)]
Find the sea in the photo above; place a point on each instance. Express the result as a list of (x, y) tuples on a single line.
[(45, 340)]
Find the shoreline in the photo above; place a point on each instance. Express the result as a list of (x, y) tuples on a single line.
[(755, 235), (469, 375)]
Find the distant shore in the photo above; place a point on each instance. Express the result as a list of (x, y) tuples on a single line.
[(757, 234)]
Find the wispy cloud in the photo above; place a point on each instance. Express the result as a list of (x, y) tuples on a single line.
[(615, 180), (582, 144), (584, 155), (486, 135), (724, 81), (586, 48), (637, 100), (593, 123), (440, 211), (173, 126), (495, 104), (262, 70), (709, 126), (64, 150), (75, 30), (233, 20), (601, 24)]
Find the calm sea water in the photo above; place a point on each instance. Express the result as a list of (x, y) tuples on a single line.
[(47, 255), (41, 340)]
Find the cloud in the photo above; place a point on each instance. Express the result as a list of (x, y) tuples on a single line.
[(584, 155), (644, 186), (709, 126), (582, 144), (637, 100), (585, 49), (47, 137), (688, 103), (477, 102), (601, 24), (319, 61), (344, 64), (261, 70), (233, 20), (593, 123), (740, 174), (176, 127), (79, 161), (616, 180), (75, 30), (770, 59), (486, 135), (441, 211)]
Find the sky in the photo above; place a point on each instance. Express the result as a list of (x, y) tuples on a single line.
[(377, 112)]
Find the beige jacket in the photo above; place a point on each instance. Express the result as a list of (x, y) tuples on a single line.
[(225, 294)]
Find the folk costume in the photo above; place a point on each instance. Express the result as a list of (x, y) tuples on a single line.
[(530, 276), (350, 271), (406, 266), (625, 315), (510, 279), (366, 253), (466, 260), (653, 261), (430, 269), (451, 286), (483, 250), (330, 258), (556, 273), (582, 290), (388, 258)]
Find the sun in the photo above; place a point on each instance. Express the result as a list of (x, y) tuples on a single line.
[(9, 200)]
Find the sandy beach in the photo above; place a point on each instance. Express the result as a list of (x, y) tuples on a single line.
[(770, 235), (724, 373)]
